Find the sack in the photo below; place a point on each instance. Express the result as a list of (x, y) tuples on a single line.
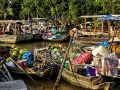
[(83, 58), (29, 57)]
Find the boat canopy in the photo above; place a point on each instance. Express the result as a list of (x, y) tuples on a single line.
[(39, 18), (109, 17)]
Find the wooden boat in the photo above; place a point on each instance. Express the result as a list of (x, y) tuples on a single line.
[(15, 38), (11, 34), (13, 85), (37, 37), (6, 80), (42, 66), (94, 83), (89, 40), (56, 39), (32, 71)]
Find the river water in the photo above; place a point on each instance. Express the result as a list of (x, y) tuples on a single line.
[(44, 82)]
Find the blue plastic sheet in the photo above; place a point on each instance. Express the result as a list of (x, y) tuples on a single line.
[(104, 43), (29, 57)]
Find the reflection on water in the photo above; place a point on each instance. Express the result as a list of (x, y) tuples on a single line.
[(44, 82)]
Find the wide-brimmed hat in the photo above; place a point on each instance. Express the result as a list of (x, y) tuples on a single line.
[(101, 50), (116, 39)]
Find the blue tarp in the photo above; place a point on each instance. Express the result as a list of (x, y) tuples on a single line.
[(109, 17), (104, 43)]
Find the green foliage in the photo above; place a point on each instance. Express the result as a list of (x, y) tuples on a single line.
[(67, 11)]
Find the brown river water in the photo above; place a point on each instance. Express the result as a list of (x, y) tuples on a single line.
[(44, 82)]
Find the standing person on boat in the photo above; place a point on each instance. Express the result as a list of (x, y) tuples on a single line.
[(54, 30), (24, 30), (41, 24)]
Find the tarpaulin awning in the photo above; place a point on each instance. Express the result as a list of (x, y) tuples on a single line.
[(109, 17), (39, 18)]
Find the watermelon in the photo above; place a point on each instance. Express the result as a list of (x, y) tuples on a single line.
[(83, 58)]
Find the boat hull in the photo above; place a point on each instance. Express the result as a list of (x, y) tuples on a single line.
[(15, 38), (83, 81), (56, 39), (31, 71)]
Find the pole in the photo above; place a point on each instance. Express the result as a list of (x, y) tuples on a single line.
[(11, 78), (61, 68)]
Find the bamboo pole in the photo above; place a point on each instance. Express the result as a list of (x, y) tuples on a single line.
[(4, 74), (61, 68), (109, 29), (11, 78), (25, 73)]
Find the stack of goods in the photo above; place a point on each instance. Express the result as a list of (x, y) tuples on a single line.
[(99, 61), (57, 51), (23, 57), (84, 58), (105, 61), (115, 46)]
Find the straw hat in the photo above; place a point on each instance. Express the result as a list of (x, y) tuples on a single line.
[(116, 39), (101, 50)]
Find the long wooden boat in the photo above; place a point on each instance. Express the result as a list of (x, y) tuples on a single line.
[(15, 38), (13, 85), (42, 66), (56, 39), (89, 40), (32, 71), (94, 83)]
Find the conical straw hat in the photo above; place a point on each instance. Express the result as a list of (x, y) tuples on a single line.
[(101, 50), (116, 39)]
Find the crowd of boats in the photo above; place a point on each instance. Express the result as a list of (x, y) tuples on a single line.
[(14, 31), (91, 66)]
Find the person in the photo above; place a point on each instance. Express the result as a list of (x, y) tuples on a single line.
[(11, 31), (81, 26), (24, 30)]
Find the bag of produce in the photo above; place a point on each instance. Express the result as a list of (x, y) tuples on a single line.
[(83, 58)]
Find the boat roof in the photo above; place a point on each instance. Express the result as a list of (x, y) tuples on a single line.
[(39, 18), (96, 16), (12, 21)]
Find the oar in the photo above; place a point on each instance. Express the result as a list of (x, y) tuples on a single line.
[(11, 78), (61, 68), (25, 73)]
